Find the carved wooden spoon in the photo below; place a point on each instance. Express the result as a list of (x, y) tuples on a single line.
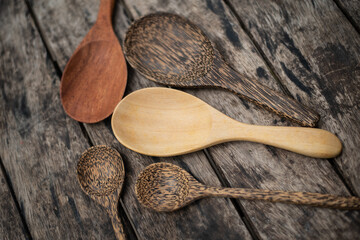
[(167, 122), (165, 187), (94, 79), (101, 173), (171, 50)]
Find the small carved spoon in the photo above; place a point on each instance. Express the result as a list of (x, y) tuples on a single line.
[(166, 122), (171, 50), (94, 79), (101, 173), (165, 187)]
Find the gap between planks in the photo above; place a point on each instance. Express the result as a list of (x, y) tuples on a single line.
[(238, 206), (347, 15), (50, 52), (14, 198), (278, 79)]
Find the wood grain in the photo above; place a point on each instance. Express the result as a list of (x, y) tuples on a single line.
[(245, 164), (101, 175), (11, 227), (251, 165), (169, 49), (165, 122), (195, 222), (39, 144), (352, 10), (94, 79), (318, 59), (166, 187)]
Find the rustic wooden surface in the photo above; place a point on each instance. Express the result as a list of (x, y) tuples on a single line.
[(351, 9), (307, 50), (11, 226), (318, 61)]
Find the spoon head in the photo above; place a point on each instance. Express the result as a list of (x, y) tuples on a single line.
[(100, 172), (162, 122), (94, 81), (168, 48), (163, 187)]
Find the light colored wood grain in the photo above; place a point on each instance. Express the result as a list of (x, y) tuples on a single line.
[(11, 226), (39, 144), (252, 165), (195, 222), (166, 122)]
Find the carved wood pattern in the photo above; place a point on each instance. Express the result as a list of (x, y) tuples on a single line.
[(167, 187), (169, 49), (101, 175)]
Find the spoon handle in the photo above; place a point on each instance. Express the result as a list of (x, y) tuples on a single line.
[(300, 198), (105, 12), (116, 222), (267, 98), (310, 142)]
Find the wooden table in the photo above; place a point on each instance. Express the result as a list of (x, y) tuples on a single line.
[(309, 50)]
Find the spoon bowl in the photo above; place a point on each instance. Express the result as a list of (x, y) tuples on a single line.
[(171, 50), (166, 122), (94, 79), (145, 52), (92, 75), (165, 187), (101, 174)]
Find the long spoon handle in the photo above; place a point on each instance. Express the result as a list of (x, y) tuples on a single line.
[(105, 12), (263, 96), (310, 142), (116, 222), (301, 198)]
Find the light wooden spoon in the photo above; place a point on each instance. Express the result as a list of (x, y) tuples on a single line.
[(94, 79), (166, 187), (167, 122), (101, 174)]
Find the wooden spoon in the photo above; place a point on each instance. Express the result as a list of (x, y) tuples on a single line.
[(101, 173), (169, 49), (167, 122), (165, 187), (94, 79)]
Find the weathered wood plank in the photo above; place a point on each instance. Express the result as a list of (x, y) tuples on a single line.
[(253, 165), (352, 9), (316, 52), (194, 222), (257, 164), (11, 226), (39, 145)]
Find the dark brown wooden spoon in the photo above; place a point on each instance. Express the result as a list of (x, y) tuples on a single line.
[(95, 77), (169, 49), (166, 187), (101, 174)]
